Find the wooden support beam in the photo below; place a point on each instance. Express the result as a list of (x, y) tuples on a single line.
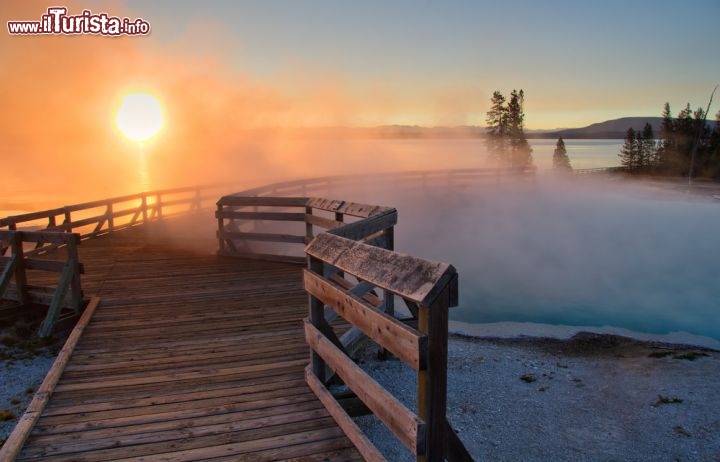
[(432, 382), (61, 290), (398, 418), (364, 446), (403, 341), (265, 237)]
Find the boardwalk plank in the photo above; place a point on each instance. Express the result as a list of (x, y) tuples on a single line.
[(188, 357)]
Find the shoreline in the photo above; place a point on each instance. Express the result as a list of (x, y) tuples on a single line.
[(523, 330)]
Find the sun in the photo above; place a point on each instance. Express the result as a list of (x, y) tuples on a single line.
[(140, 116)]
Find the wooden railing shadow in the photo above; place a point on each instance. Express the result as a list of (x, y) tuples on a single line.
[(353, 273)]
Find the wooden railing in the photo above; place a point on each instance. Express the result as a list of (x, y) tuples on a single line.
[(37, 233), (68, 291), (343, 275), (95, 218), (600, 170), (273, 227), (417, 179), (353, 273)]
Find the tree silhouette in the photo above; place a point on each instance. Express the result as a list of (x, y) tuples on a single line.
[(506, 142), (561, 161)]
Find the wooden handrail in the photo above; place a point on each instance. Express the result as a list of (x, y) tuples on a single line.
[(348, 264), (115, 213), (64, 228), (429, 289), (427, 177), (245, 222), (16, 265)]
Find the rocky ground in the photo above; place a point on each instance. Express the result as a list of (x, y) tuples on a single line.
[(590, 397)]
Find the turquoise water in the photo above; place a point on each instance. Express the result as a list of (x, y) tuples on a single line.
[(581, 253)]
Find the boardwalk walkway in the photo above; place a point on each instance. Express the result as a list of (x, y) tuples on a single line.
[(188, 357)]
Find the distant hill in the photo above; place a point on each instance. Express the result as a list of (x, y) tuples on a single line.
[(610, 129), (614, 129)]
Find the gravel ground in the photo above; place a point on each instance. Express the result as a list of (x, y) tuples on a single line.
[(593, 397), (20, 379), (24, 362)]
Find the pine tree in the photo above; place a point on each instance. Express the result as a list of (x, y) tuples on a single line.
[(629, 152), (561, 161), (646, 148), (666, 156), (496, 126), (520, 150)]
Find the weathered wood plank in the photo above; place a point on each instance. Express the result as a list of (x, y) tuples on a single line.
[(401, 421), (410, 277), (269, 216), (344, 207), (322, 221), (265, 237), (365, 228), (235, 201), (368, 450), (404, 342)]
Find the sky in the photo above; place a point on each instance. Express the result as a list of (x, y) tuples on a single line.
[(438, 62), (224, 70)]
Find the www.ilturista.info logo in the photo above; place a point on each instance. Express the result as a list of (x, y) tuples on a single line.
[(57, 22)]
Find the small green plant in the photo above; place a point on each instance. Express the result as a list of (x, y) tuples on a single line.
[(666, 400), (528, 378), (6, 414)]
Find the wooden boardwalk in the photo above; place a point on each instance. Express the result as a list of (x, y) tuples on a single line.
[(189, 356)]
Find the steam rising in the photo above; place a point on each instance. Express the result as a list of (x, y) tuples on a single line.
[(575, 252)]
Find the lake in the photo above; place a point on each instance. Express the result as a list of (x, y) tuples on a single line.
[(582, 252)]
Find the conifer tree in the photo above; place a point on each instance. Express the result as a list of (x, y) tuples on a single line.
[(629, 152), (666, 153), (496, 126), (646, 148), (520, 150), (561, 161)]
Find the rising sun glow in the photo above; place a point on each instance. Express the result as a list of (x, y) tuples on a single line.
[(140, 116)]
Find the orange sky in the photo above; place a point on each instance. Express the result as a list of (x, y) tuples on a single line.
[(60, 96)]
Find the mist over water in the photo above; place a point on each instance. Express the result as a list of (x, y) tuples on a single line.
[(579, 252)]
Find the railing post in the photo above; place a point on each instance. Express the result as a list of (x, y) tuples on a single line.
[(221, 227), (67, 222), (20, 276), (389, 296), (158, 205), (143, 206), (317, 318), (432, 382), (74, 262), (109, 215), (308, 226)]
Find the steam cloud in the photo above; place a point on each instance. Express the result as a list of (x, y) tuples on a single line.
[(574, 252)]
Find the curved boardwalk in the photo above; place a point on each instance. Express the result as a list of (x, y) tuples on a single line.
[(188, 357)]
